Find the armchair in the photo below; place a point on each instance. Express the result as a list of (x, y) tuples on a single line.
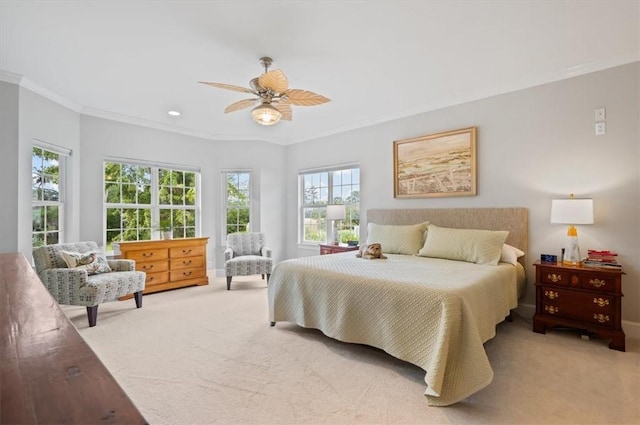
[(246, 255), (76, 286)]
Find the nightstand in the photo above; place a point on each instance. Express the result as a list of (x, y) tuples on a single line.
[(580, 297), (333, 249)]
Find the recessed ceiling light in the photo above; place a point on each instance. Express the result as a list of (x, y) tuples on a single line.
[(174, 113)]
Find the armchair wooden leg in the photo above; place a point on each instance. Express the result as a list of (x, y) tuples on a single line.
[(92, 315), (262, 277), (228, 282), (138, 297)]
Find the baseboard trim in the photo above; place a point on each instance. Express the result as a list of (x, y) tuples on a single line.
[(631, 329)]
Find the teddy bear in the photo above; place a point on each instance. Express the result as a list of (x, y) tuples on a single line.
[(371, 251)]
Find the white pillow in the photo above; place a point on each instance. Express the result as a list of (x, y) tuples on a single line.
[(397, 239), (470, 245), (92, 262), (510, 254)]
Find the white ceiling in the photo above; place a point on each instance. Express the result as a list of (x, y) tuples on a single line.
[(377, 60)]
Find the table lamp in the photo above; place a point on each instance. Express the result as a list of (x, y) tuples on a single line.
[(572, 211), (335, 213)]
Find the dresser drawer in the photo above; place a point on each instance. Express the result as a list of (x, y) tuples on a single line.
[(152, 266), (187, 262), (156, 279), (598, 309), (184, 274), (148, 255), (186, 251)]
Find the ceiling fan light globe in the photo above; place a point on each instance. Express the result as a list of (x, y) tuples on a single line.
[(266, 114)]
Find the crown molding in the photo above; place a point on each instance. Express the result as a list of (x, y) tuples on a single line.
[(20, 80), (574, 71), (10, 77), (98, 113)]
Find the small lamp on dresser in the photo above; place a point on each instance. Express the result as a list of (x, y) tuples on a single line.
[(572, 211), (335, 213)]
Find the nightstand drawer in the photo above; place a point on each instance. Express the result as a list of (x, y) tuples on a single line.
[(556, 277), (598, 283), (577, 306)]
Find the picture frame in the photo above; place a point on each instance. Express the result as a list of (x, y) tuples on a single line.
[(435, 165)]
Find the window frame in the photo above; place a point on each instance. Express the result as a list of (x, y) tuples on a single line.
[(154, 204), (225, 200), (329, 170), (63, 155)]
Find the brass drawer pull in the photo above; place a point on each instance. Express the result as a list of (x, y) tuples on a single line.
[(147, 266), (186, 263), (555, 278), (597, 282), (601, 317), (186, 251), (551, 309), (551, 294), (147, 254), (150, 278), (186, 273), (601, 302)]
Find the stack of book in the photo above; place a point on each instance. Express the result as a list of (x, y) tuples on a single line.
[(604, 259)]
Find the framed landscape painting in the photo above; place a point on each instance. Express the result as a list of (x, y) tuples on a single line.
[(435, 165)]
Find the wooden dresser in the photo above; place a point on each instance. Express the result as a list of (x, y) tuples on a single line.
[(585, 298), (48, 373), (169, 263)]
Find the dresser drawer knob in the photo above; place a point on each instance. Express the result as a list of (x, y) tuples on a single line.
[(186, 251), (186, 273), (601, 302), (186, 263), (602, 318), (555, 278), (552, 295), (551, 309), (597, 282), (147, 254), (147, 266)]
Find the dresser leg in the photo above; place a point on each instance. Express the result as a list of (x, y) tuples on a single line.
[(539, 327), (617, 343)]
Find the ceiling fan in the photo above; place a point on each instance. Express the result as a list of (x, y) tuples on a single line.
[(273, 95)]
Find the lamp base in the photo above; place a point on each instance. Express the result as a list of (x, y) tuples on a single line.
[(572, 252)]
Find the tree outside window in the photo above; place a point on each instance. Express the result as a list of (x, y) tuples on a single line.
[(143, 199), (322, 188), (46, 190), (237, 202)]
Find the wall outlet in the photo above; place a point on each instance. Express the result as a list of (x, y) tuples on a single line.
[(600, 114), (601, 128)]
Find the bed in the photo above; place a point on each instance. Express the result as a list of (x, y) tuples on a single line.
[(421, 307)]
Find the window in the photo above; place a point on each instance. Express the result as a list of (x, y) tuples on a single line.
[(237, 201), (141, 199), (326, 187), (47, 184)]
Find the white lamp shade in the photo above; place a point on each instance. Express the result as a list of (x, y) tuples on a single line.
[(572, 211), (336, 212)]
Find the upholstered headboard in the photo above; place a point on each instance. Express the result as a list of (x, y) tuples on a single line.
[(515, 220)]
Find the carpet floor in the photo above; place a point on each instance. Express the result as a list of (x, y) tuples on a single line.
[(205, 355)]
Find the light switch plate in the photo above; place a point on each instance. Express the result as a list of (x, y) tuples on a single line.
[(600, 114), (601, 128)]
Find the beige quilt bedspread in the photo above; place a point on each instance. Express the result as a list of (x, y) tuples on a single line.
[(433, 313)]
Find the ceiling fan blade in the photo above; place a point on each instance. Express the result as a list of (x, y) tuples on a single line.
[(285, 110), (241, 104), (228, 87), (305, 98), (274, 80)]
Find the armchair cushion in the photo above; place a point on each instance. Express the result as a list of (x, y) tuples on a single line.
[(92, 262)]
